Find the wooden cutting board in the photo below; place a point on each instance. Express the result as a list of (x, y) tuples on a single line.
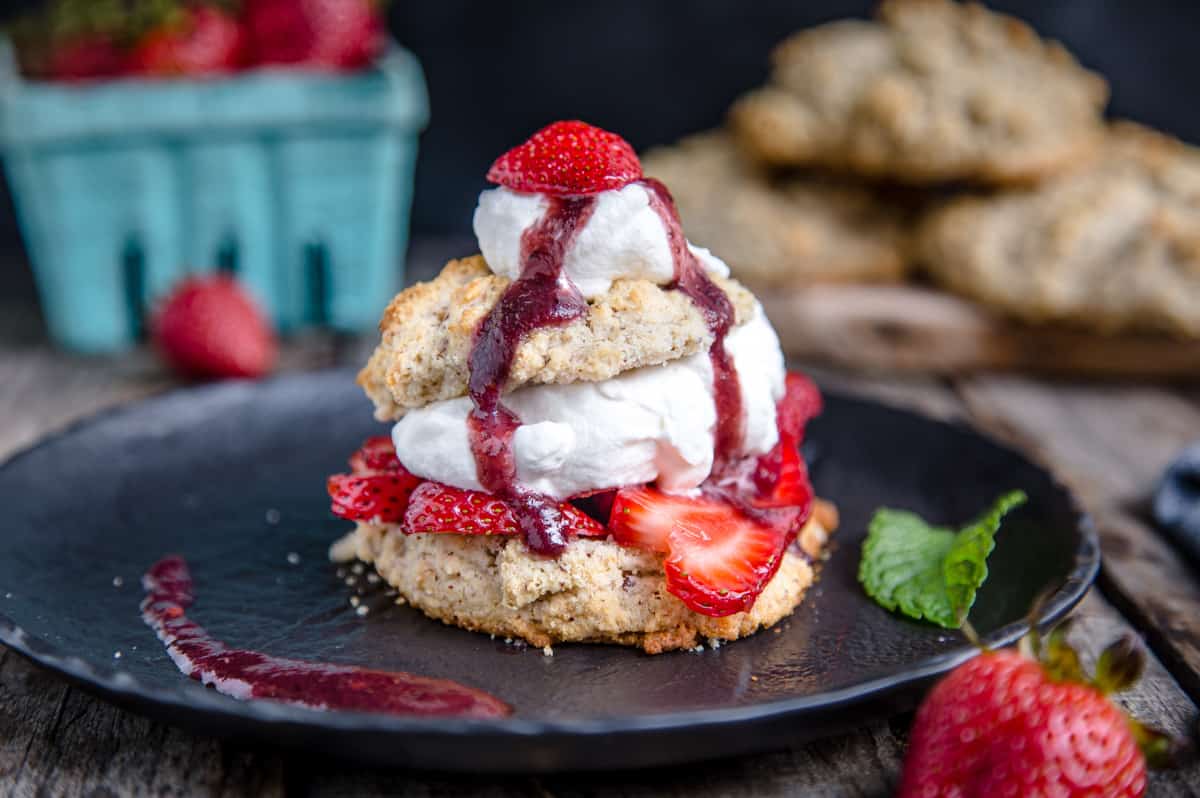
[(911, 328)]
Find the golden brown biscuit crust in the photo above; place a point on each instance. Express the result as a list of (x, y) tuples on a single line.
[(597, 591), (428, 329), (1114, 246), (779, 231), (932, 91)]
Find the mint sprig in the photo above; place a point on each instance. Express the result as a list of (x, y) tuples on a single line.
[(929, 572)]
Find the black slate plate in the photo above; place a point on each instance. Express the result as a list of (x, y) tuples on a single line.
[(232, 477)]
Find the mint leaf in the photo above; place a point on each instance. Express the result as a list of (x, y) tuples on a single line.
[(926, 571)]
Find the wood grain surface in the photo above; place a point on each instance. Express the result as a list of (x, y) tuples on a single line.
[(917, 329)]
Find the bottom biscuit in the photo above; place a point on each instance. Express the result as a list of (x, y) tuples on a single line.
[(597, 591)]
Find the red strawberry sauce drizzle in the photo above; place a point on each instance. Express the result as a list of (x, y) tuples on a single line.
[(543, 297), (250, 674), (693, 282), (540, 297)]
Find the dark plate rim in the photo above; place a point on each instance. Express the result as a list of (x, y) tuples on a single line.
[(189, 696)]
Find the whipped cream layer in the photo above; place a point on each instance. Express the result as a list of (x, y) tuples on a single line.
[(650, 424), (623, 238)]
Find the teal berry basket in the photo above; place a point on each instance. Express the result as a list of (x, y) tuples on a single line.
[(298, 182)]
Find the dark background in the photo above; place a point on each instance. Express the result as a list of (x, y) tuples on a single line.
[(656, 70)]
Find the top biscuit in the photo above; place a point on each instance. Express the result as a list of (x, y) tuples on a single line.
[(932, 91), (1112, 246), (779, 231), (428, 330)]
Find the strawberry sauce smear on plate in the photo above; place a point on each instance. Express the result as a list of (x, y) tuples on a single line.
[(250, 674)]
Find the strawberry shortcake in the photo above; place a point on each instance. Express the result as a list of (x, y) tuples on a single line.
[(594, 435)]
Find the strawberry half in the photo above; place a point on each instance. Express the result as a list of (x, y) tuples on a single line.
[(376, 454), (644, 518), (718, 560), (800, 404), (378, 488), (568, 159), (374, 497), (435, 508), (781, 476)]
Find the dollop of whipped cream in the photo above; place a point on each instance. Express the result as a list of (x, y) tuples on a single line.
[(646, 425), (623, 238)]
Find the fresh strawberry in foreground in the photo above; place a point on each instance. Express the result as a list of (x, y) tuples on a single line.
[(440, 509), (325, 34), (193, 42), (568, 158), (718, 560), (208, 327), (1005, 723), (378, 487)]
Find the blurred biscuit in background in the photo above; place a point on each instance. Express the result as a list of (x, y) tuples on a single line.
[(932, 91), (1113, 246), (781, 230)]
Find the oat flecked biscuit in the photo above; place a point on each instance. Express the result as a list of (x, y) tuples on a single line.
[(779, 231), (598, 591), (1114, 246), (428, 330), (932, 91)]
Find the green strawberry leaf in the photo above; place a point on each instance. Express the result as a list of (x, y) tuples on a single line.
[(929, 572)]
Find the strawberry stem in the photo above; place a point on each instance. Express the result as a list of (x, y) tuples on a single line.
[(972, 636), (1120, 665), (1060, 659)]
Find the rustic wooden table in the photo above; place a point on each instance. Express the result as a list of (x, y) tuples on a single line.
[(1109, 442)]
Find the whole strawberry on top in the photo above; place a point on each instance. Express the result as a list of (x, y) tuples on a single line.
[(567, 158), (1032, 723)]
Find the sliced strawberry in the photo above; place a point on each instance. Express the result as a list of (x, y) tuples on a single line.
[(720, 566), (371, 497), (568, 158), (718, 560), (781, 477), (643, 517), (800, 404), (376, 454), (435, 508)]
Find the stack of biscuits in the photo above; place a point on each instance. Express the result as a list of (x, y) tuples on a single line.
[(941, 141)]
